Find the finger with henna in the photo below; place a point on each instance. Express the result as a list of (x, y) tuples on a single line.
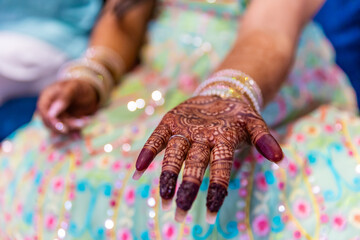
[(220, 167), (154, 145), (175, 155), (195, 166)]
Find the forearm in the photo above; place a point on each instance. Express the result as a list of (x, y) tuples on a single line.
[(124, 34), (267, 40)]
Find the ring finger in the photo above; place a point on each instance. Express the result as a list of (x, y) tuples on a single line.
[(175, 155), (195, 166)]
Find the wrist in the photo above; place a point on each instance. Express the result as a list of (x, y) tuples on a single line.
[(89, 71), (109, 59), (266, 56)]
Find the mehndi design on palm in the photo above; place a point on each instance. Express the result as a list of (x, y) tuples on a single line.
[(201, 131)]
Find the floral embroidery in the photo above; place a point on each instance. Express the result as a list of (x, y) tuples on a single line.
[(50, 222), (169, 231), (130, 196), (339, 222), (124, 234), (302, 208), (58, 184), (260, 181), (261, 225)]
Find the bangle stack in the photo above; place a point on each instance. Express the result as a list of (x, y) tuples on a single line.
[(109, 58), (100, 67), (232, 83)]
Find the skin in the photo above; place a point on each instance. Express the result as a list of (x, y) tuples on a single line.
[(215, 127), (70, 102)]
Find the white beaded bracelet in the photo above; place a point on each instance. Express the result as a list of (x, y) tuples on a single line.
[(244, 86), (90, 77), (109, 57), (99, 71), (251, 83), (239, 86)]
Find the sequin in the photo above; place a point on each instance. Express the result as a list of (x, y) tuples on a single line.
[(156, 95), (108, 148), (109, 224), (152, 213), (149, 110), (61, 233), (151, 202), (357, 169), (281, 208), (126, 147), (131, 106), (140, 103), (68, 205)]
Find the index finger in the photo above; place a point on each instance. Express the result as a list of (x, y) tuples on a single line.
[(154, 145)]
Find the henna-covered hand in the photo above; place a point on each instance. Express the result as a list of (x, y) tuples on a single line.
[(199, 131)]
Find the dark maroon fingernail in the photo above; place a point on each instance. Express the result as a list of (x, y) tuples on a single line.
[(269, 148), (186, 195), (215, 197), (168, 184), (145, 158)]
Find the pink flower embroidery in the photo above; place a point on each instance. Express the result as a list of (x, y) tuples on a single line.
[(58, 184), (302, 208), (259, 158), (357, 140), (169, 231), (19, 208), (124, 234), (130, 196), (339, 222), (261, 225), (261, 183), (50, 222), (329, 128), (297, 235), (186, 230), (324, 218), (152, 166), (292, 169), (300, 138), (116, 166), (51, 157)]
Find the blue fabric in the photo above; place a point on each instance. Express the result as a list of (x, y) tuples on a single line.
[(15, 113), (340, 20), (65, 24)]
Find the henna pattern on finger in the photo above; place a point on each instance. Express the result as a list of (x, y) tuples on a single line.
[(158, 140), (155, 144), (175, 154), (186, 195), (215, 197), (196, 163), (168, 184), (209, 123), (221, 164)]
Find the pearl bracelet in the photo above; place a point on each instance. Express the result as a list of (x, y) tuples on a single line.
[(86, 75), (109, 58), (98, 70), (247, 79), (242, 85)]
